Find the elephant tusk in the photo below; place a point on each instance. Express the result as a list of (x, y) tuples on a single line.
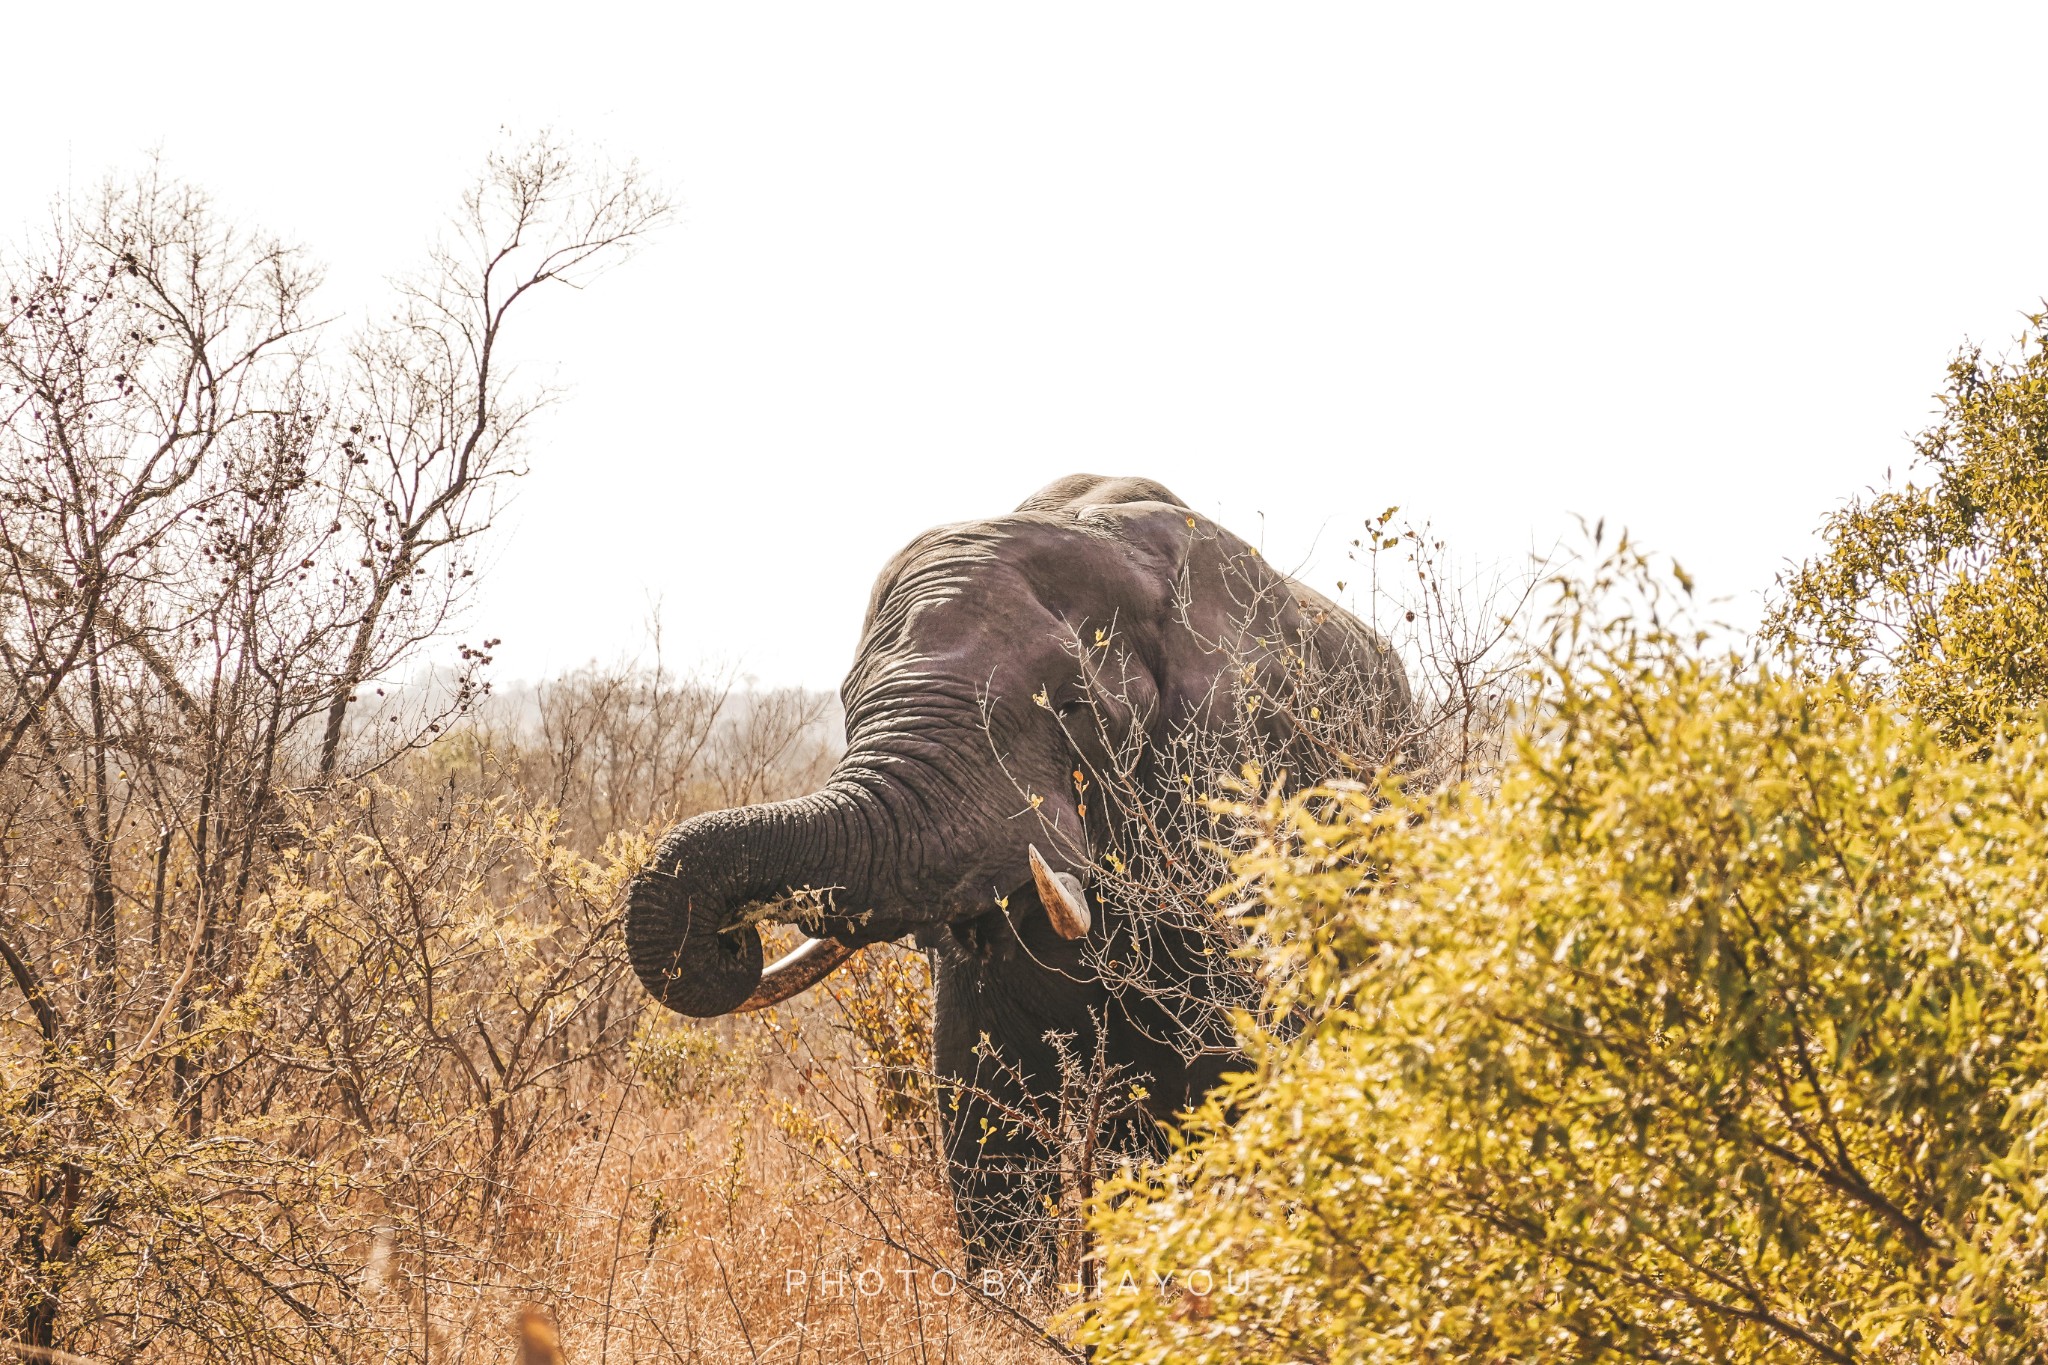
[(803, 967), (1065, 904)]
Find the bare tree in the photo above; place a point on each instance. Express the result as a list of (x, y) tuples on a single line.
[(213, 533), (433, 422)]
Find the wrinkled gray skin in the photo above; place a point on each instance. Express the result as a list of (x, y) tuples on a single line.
[(920, 830)]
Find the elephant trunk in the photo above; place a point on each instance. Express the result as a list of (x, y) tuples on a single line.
[(683, 930)]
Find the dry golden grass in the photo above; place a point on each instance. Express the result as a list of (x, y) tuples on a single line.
[(444, 1123), (766, 1217)]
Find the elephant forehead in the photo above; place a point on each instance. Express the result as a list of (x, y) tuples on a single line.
[(963, 647), (1011, 570)]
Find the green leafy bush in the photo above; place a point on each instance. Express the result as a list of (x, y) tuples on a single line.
[(1715, 1033)]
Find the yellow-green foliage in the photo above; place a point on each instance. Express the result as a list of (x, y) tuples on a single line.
[(686, 1064), (1943, 589), (886, 1000), (1716, 1034)]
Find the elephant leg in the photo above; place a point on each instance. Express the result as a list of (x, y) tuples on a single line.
[(1002, 1177), (998, 1076)]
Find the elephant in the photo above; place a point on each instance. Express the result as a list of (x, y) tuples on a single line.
[(952, 817)]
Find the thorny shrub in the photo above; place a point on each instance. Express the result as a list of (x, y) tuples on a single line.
[(1166, 848)]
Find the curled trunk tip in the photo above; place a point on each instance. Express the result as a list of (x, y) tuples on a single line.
[(683, 950)]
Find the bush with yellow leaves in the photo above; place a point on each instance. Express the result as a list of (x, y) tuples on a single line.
[(1715, 1033), (1939, 590)]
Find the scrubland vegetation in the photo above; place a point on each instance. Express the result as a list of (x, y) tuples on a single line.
[(1709, 1029), (318, 1039), (1678, 997)]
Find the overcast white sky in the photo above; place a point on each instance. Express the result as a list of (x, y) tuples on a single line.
[(1694, 269)]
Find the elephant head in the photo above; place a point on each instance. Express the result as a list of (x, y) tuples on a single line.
[(957, 786)]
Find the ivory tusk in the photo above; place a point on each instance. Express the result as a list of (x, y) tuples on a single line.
[(801, 968), (1065, 903)]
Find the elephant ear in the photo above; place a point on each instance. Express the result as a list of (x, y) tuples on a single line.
[(1208, 581)]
